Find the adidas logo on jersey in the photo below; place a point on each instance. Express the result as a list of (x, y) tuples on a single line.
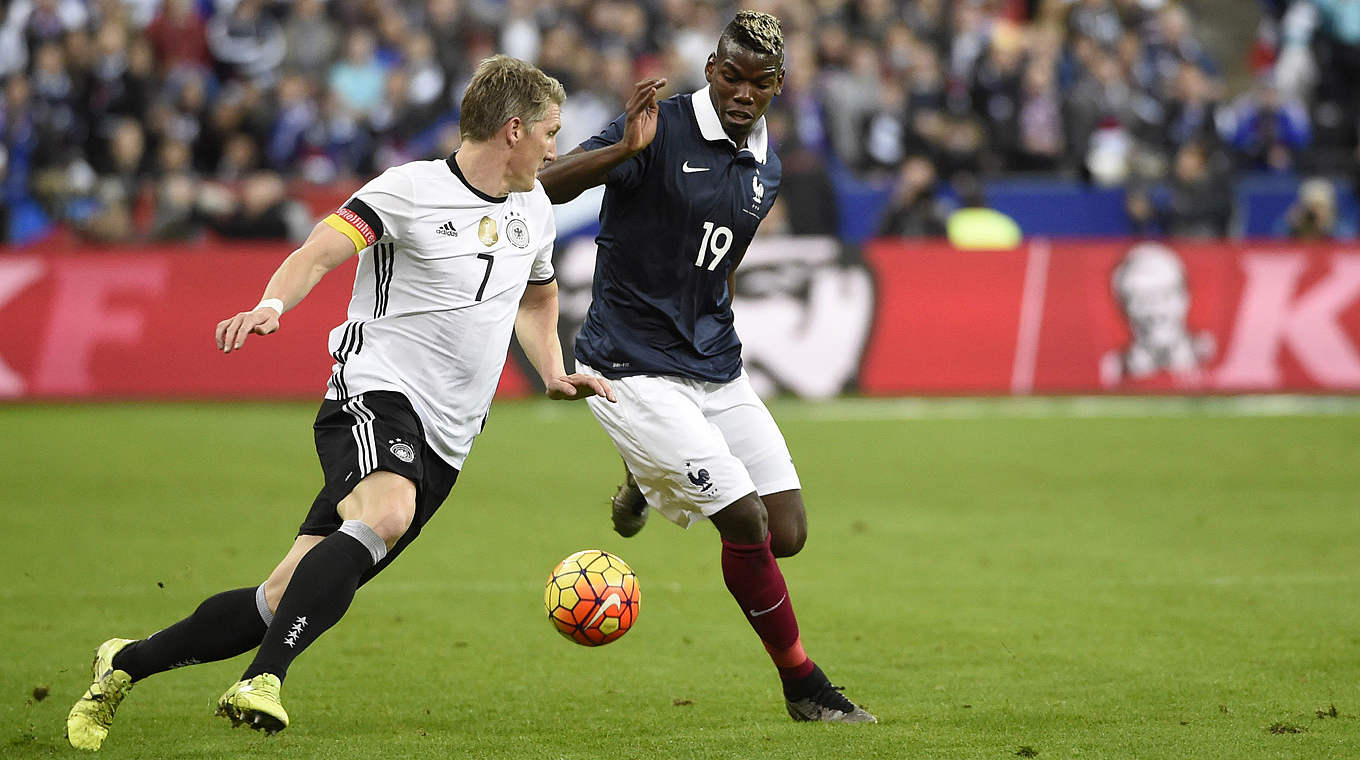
[(447, 229)]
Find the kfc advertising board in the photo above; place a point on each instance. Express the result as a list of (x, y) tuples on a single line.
[(1127, 317), (817, 319)]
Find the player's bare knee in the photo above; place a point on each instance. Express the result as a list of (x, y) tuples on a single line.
[(392, 522), (787, 540), (385, 502), (744, 521), (396, 510), (788, 522)]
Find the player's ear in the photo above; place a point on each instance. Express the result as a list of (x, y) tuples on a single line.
[(514, 130), (710, 66), (779, 81)]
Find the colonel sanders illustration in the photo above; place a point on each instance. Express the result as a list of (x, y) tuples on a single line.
[(1150, 287)]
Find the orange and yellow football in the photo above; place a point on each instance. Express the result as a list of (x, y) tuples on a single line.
[(592, 597)]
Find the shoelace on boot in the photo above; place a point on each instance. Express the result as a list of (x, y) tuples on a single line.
[(831, 697)]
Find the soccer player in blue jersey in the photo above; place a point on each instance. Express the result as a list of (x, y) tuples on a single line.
[(687, 181)]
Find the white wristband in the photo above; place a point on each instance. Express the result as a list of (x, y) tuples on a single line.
[(271, 303)]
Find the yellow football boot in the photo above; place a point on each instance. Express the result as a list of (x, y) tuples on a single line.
[(255, 703), (89, 721)]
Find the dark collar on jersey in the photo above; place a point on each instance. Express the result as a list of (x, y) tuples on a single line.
[(457, 172), (710, 126)]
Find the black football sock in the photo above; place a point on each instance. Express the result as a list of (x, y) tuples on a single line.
[(222, 627), (320, 591), (806, 686)]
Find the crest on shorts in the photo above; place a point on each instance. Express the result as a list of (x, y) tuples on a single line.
[(700, 479), (402, 450), (486, 231), (517, 232)]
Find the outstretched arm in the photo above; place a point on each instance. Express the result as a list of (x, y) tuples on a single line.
[(536, 328), (324, 250), (579, 170)]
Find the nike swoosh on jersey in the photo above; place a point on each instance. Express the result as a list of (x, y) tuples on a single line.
[(754, 613), (687, 169), (610, 603)]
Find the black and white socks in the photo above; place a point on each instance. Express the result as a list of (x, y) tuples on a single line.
[(224, 625), (318, 595)]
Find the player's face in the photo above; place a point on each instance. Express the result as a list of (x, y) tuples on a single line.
[(536, 148), (742, 83)]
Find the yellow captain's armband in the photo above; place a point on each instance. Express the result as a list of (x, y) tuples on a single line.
[(343, 226)]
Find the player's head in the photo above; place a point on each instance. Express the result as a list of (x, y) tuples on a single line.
[(1151, 288), (515, 107), (746, 72)]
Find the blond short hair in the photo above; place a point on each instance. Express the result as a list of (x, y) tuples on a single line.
[(755, 31), (501, 89)]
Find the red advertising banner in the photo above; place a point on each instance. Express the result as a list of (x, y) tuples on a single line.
[(140, 324), (1125, 317), (910, 318), (946, 321)]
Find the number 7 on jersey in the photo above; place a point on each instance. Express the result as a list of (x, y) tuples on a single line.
[(486, 277), (720, 240)]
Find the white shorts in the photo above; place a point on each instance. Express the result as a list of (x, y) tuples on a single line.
[(694, 447)]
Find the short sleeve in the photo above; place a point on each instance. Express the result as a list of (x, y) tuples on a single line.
[(381, 207), (629, 173), (542, 271)]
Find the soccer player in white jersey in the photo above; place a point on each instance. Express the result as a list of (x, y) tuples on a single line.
[(687, 182), (453, 255)]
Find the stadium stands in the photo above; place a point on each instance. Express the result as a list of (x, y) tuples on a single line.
[(177, 119)]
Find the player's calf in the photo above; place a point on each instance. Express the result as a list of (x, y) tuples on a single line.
[(278, 580)]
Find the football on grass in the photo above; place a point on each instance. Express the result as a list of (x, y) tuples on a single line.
[(592, 597)]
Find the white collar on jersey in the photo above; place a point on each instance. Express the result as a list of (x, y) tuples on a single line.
[(710, 126)]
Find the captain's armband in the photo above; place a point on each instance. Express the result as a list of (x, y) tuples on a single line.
[(357, 221)]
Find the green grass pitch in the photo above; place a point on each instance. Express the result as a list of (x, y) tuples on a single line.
[(1118, 587)]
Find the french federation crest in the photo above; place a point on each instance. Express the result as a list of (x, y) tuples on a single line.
[(486, 231), (701, 479), (757, 190)]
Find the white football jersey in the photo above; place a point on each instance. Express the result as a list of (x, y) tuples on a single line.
[(441, 272)]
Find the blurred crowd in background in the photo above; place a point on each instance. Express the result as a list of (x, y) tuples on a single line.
[(167, 119)]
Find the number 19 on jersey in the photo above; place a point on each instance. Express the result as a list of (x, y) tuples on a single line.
[(718, 241)]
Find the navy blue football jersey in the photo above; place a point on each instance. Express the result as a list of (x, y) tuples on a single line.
[(676, 219)]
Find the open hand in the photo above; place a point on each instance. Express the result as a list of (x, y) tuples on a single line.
[(640, 127), (231, 333), (578, 386)]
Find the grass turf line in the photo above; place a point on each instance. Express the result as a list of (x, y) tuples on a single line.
[(1152, 588)]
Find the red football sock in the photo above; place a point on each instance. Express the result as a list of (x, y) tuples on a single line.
[(753, 578)]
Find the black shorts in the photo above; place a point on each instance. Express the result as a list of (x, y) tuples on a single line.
[(377, 430)]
